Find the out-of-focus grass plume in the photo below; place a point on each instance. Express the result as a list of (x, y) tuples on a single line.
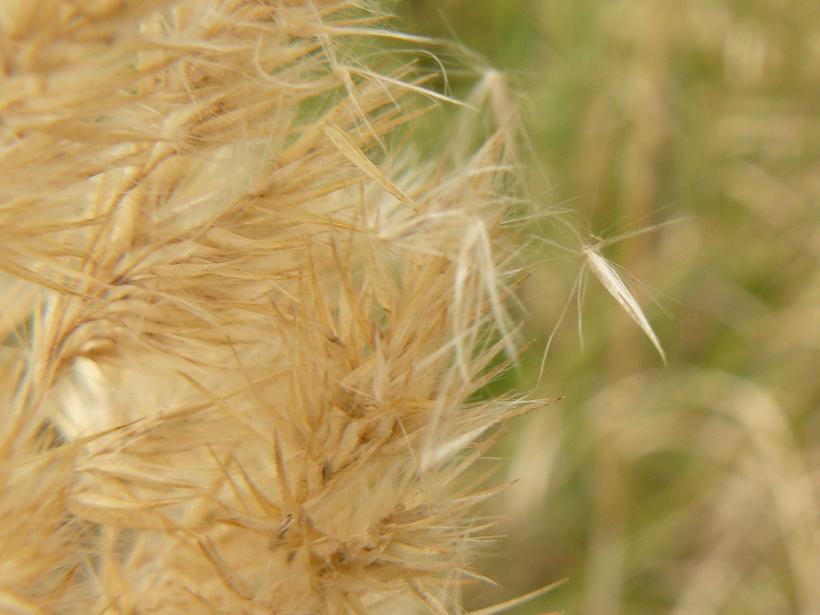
[(242, 323), (691, 489)]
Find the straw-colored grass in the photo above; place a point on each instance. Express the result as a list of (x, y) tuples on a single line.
[(242, 323)]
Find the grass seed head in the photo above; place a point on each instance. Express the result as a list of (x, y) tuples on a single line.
[(241, 336)]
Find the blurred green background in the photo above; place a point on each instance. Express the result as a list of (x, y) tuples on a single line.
[(692, 488)]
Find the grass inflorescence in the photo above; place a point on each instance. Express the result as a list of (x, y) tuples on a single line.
[(242, 322)]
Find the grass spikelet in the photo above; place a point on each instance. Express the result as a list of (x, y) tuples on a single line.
[(240, 334), (613, 284)]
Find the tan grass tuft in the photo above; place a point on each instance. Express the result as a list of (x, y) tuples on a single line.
[(240, 335)]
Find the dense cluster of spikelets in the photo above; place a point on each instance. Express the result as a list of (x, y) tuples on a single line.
[(241, 332)]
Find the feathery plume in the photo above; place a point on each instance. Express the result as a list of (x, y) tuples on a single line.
[(241, 336)]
